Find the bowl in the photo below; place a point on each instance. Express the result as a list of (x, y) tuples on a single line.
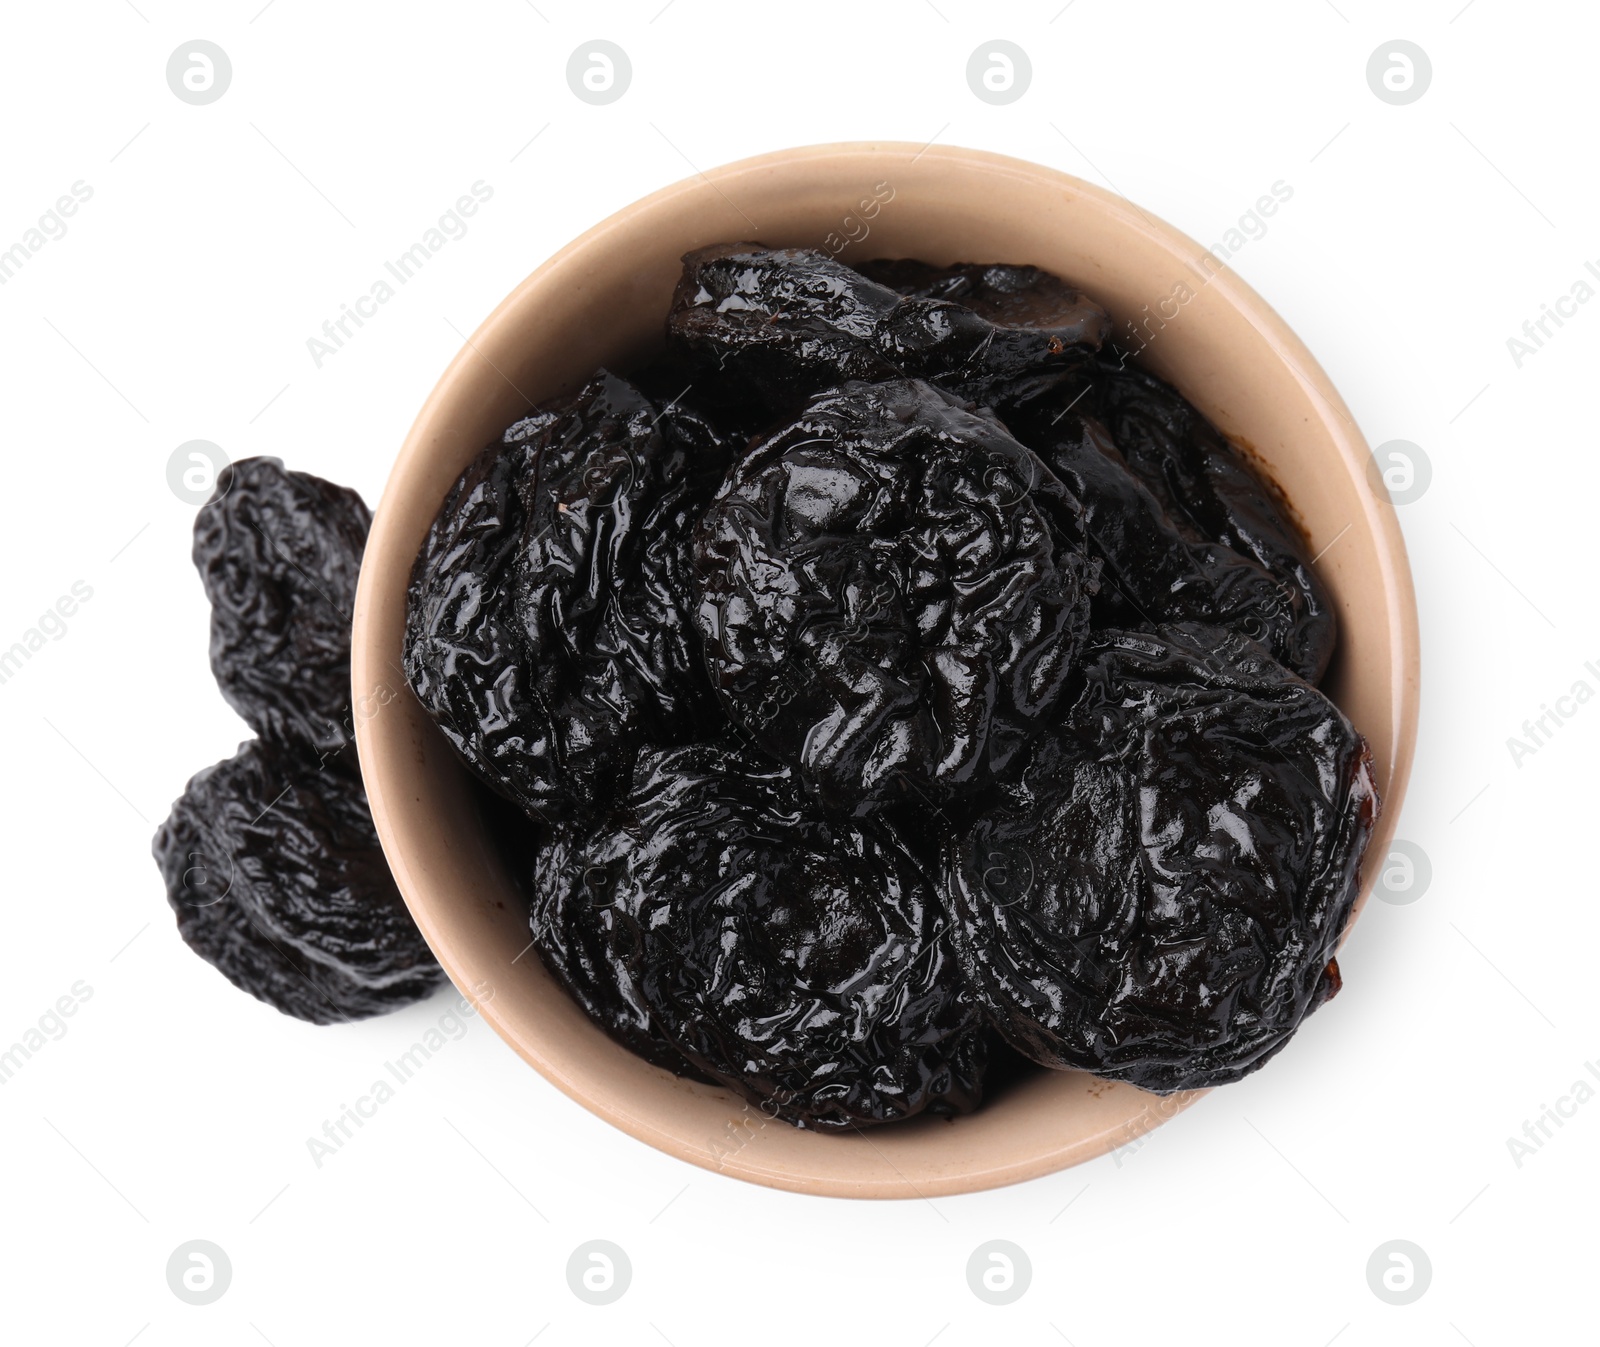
[(602, 301)]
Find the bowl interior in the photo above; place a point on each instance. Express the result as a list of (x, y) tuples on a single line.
[(601, 301)]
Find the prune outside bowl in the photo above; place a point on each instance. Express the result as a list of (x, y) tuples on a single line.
[(601, 301)]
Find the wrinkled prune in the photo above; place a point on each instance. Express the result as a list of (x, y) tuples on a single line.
[(571, 914), (893, 591), (796, 957), (547, 630), (274, 870), (1160, 898), (1152, 570), (785, 323), (278, 553), (1199, 478), (1202, 479)]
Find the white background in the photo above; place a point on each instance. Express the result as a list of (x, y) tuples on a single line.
[(178, 307)]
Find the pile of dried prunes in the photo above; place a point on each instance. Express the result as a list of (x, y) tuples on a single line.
[(271, 861), (893, 677)]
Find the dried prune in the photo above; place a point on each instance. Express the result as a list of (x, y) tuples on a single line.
[(1153, 570), (795, 956), (273, 868), (278, 553), (1202, 479), (1158, 899), (784, 323), (570, 916), (547, 630), (893, 591)]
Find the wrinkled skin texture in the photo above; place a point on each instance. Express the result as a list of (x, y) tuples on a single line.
[(1205, 486), (1159, 898), (1200, 480), (278, 553), (782, 324), (274, 871), (793, 956), (571, 916), (1154, 569), (547, 624), (893, 591)]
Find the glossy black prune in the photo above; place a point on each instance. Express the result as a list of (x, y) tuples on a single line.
[(274, 871), (1154, 570), (893, 591), (1199, 478), (278, 553), (780, 324), (571, 914), (795, 956), (1203, 480), (547, 629), (1159, 898)]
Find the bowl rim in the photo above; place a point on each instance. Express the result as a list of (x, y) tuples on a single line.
[(370, 662)]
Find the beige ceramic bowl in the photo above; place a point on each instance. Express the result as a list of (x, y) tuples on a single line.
[(601, 300)]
